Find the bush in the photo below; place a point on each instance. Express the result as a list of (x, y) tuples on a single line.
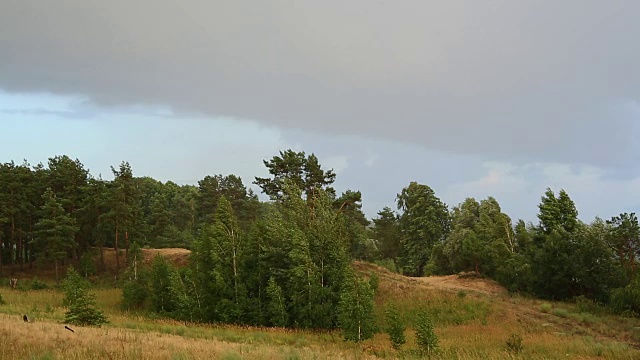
[(514, 344), (395, 328), (36, 284), (425, 336), (2, 301), (626, 300), (586, 305), (561, 312), (134, 294), (545, 308)]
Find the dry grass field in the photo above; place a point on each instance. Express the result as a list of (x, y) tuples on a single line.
[(473, 319)]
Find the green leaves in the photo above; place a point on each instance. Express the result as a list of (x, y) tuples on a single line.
[(300, 170), (424, 222), (81, 304), (356, 317)]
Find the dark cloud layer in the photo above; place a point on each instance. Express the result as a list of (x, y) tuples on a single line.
[(541, 80)]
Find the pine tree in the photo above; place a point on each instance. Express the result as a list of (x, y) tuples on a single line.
[(55, 232), (81, 304), (356, 316)]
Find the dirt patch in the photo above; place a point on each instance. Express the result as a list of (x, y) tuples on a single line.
[(176, 256), (456, 282)]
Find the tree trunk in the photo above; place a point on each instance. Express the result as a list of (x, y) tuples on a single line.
[(57, 281), (477, 268), (1, 242), (135, 267), (117, 257), (13, 241), (126, 250), (20, 251)]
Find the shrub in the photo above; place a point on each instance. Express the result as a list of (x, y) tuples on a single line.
[(2, 301), (425, 336), (514, 344), (462, 294), (374, 281), (586, 305), (561, 312), (545, 308), (626, 300), (134, 294), (395, 328), (36, 284)]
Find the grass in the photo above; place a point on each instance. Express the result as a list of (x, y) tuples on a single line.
[(470, 326)]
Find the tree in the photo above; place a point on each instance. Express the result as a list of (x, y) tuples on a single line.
[(424, 222), (356, 315), (124, 206), (425, 336), (387, 234), (395, 328), (276, 307), (55, 232), (81, 304), (624, 239), (303, 171), (227, 242), (557, 212)]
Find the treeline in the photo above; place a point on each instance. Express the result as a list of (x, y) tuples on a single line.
[(286, 262), (56, 213), (559, 258)]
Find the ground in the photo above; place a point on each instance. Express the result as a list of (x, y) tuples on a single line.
[(473, 319)]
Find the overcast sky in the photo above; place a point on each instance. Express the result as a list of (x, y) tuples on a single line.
[(473, 98)]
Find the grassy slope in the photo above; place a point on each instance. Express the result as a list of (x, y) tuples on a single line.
[(473, 319)]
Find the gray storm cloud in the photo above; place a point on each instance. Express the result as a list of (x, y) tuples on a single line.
[(542, 80)]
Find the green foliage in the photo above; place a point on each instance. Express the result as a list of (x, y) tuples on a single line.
[(81, 304), (87, 264), (387, 234), (162, 299), (297, 169), (276, 306), (423, 223), (37, 284), (514, 344), (374, 281), (55, 232), (2, 300), (426, 338), (356, 316), (395, 328), (626, 300), (545, 308)]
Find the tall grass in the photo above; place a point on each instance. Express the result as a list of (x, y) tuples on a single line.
[(473, 326)]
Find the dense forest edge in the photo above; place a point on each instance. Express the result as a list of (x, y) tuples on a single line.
[(287, 262)]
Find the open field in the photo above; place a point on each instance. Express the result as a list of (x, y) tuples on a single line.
[(473, 319)]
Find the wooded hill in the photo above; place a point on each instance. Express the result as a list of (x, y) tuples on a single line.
[(286, 261)]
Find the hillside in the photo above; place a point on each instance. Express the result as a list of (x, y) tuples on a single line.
[(473, 318)]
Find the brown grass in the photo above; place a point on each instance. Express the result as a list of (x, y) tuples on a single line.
[(473, 319)]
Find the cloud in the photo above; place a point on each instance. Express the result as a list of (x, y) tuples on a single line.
[(371, 160), (517, 81), (337, 163), (519, 188)]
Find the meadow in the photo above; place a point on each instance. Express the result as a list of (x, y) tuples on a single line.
[(474, 318)]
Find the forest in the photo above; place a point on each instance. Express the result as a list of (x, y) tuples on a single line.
[(286, 262)]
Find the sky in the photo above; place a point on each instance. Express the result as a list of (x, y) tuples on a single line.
[(475, 99)]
